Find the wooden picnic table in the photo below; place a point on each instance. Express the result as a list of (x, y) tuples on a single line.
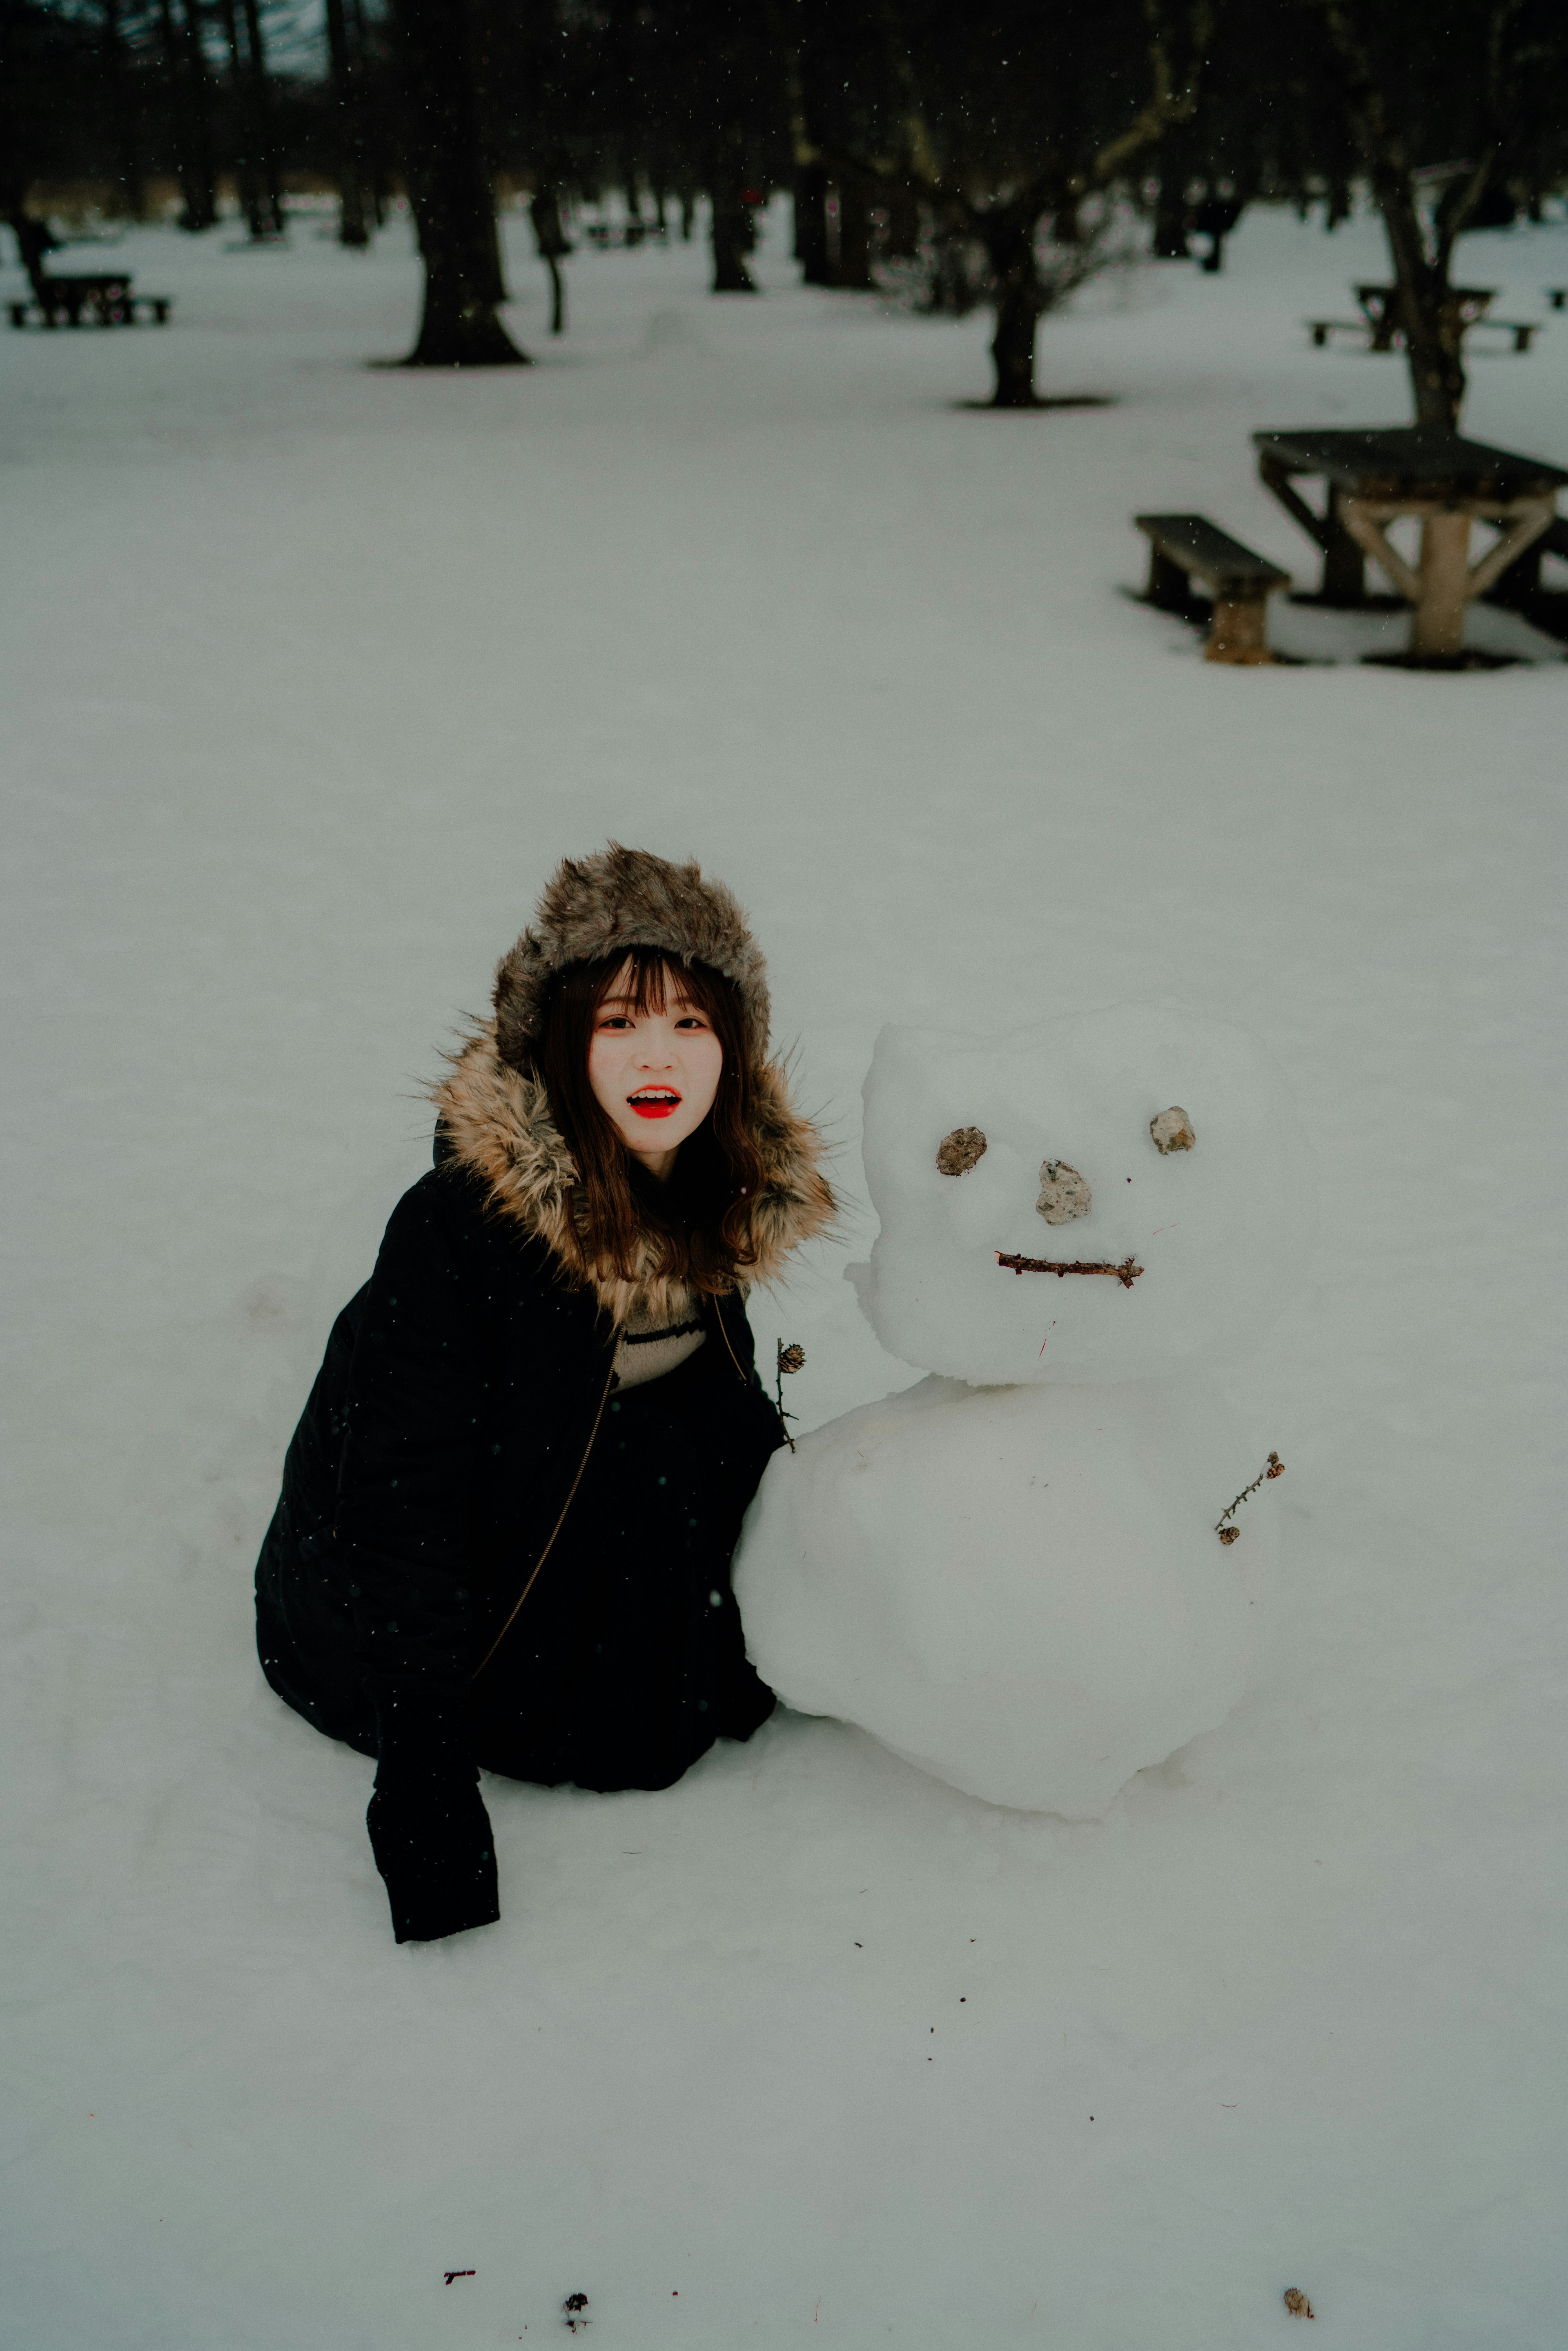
[(1384, 326), (1372, 476), (1382, 310), (105, 294)]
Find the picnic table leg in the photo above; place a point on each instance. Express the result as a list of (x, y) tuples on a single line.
[(1437, 621), (1521, 581), (1518, 550), (1345, 564), (1344, 581), (1383, 315)]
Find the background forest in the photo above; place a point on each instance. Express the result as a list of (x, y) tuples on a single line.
[(981, 154)]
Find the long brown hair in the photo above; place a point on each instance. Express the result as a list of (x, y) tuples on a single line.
[(699, 1223)]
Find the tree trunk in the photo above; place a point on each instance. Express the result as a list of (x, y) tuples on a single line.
[(372, 128), (122, 111), (186, 72), (732, 226), (266, 142), (1016, 293), (550, 239), (1423, 301), (854, 235), (1012, 348), (903, 225), (202, 194), (351, 228), (1170, 219), (454, 204), (33, 241), (954, 293), (1215, 218), (812, 224), (1171, 230), (1434, 330), (247, 171)]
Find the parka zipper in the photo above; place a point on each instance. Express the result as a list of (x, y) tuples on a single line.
[(603, 1400), (723, 1334)]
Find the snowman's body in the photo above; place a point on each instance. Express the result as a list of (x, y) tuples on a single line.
[(1010, 1573)]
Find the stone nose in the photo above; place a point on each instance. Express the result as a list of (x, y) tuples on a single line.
[(1064, 1193)]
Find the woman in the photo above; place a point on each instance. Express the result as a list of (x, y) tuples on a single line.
[(508, 1510)]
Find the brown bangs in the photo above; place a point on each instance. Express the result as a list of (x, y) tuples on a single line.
[(697, 1227)]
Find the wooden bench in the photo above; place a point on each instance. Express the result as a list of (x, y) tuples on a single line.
[(109, 300), (1184, 547), (602, 234)]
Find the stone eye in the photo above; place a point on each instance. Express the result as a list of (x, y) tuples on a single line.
[(1172, 1129), (958, 1152), (1064, 1193)]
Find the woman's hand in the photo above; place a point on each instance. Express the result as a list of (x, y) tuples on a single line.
[(432, 1845)]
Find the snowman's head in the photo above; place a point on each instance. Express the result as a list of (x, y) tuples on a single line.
[(1141, 1139)]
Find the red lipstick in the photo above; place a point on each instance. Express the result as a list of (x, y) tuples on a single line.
[(660, 1105)]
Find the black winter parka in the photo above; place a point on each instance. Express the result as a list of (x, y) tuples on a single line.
[(461, 1443)]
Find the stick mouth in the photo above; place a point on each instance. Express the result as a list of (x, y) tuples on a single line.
[(1126, 1273), (654, 1101)]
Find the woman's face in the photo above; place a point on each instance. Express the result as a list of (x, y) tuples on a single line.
[(654, 1074)]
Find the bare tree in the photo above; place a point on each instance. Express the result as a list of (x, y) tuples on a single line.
[(1020, 133), (552, 245), (732, 227), (256, 155), (189, 90), (121, 107), (348, 99), (1491, 47), (449, 187)]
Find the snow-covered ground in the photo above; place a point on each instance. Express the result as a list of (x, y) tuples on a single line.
[(312, 672)]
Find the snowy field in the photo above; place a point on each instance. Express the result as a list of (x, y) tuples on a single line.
[(312, 672)]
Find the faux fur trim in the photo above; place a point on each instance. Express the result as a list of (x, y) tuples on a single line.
[(626, 898), (498, 1121)]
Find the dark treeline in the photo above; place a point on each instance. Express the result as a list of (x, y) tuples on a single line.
[(966, 149)]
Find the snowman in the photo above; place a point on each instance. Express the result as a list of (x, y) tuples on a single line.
[(1034, 1573)]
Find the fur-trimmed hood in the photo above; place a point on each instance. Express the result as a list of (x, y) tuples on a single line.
[(498, 1123), (496, 1110), (625, 898)]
